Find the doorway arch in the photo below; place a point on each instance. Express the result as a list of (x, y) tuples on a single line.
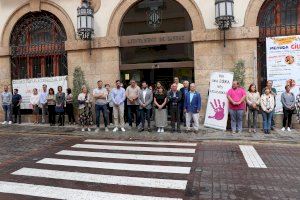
[(48, 6), (156, 45), (37, 45), (119, 12)]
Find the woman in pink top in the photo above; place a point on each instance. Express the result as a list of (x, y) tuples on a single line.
[(236, 97)]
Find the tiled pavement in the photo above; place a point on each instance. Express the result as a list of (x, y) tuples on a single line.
[(203, 134), (224, 174), (218, 170)]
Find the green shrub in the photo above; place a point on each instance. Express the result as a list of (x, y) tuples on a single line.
[(78, 82), (239, 71)]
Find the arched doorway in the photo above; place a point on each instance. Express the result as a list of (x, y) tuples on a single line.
[(155, 40), (38, 47), (275, 18)]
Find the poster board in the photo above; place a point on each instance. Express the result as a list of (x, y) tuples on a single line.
[(217, 105), (283, 64), (25, 87)]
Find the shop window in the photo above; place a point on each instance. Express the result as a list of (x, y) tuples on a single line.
[(38, 47), (276, 18)]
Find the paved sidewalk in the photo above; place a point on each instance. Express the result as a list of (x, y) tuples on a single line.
[(203, 134)]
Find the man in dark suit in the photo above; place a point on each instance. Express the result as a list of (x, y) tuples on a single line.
[(174, 98), (184, 91), (145, 101), (192, 107)]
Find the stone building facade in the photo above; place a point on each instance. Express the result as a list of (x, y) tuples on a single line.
[(106, 57)]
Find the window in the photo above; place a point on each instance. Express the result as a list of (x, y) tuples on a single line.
[(38, 47)]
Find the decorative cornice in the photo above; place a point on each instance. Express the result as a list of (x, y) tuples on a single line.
[(232, 34), (238, 33)]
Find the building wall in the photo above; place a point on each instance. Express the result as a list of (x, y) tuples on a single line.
[(102, 16), (103, 63)]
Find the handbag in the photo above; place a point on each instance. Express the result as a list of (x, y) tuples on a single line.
[(59, 109)]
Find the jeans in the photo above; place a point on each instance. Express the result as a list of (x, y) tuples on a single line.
[(145, 115), (175, 117), (99, 109), (267, 120), (17, 114), (110, 113), (252, 118), (272, 120), (287, 116), (236, 119), (7, 112), (133, 109)]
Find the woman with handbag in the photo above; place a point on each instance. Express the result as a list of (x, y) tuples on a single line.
[(34, 102), (85, 109), (288, 102), (60, 100), (253, 100), (267, 103), (51, 106)]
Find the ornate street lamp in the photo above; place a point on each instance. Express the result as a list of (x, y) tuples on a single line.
[(85, 21), (224, 15)]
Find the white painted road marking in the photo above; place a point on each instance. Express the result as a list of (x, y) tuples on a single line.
[(251, 156), (106, 179), (126, 156), (68, 194), (135, 148), (116, 166), (140, 142)]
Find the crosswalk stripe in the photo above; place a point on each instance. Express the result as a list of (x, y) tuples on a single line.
[(125, 156), (251, 156), (106, 179), (135, 148), (140, 142), (116, 166), (67, 193)]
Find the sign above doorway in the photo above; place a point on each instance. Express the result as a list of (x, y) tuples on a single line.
[(155, 39)]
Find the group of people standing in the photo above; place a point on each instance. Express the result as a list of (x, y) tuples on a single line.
[(52, 104), (142, 102), (181, 102), (239, 100)]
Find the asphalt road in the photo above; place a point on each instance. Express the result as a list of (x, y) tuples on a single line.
[(36, 166)]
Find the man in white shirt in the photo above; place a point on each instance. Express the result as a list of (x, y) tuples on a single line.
[(179, 85), (43, 102), (118, 97), (100, 95)]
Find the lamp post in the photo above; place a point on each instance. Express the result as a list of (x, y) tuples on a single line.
[(85, 21), (224, 15)]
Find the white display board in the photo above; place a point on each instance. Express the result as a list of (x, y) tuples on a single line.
[(217, 105), (283, 64), (26, 86)]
